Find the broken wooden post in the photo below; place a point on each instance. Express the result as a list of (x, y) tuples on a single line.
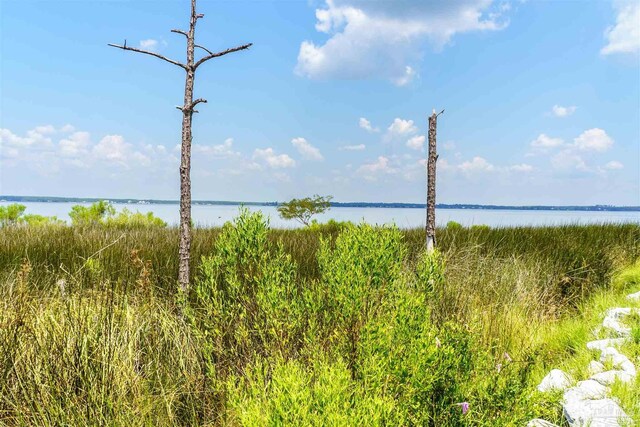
[(432, 158)]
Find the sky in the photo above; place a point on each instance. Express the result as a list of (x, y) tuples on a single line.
[(541, 100)]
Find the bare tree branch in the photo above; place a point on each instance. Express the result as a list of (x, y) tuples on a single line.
[(204, 48), (146, 52), (200, 15), (184, 33), (198, 101), (224, 52)]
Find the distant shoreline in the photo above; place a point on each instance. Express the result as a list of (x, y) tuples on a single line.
[(52, 199)]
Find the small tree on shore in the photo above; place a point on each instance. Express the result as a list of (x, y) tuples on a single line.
[(303, 209), (10, 214)]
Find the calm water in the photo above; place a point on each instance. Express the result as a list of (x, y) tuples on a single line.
[(402, 217)]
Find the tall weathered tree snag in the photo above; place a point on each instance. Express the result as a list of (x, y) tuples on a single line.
[(432, 158), (188, 108)]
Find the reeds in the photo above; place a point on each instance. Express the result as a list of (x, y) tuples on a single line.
[(91, 334)]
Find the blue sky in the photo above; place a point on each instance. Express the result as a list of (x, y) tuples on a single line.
[(541, 99)]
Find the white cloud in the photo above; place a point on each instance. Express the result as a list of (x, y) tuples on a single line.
[(593, 140), (358, 147), (149, 44), (273, 160), (570, 157), (416, 142), (380, 166), (560, 111), (477, 164), (522, 167), (75, 148), (366, 125), (567, 160), (382, 39), (544, 142), (76, 145), (614, 165), (449, 145), (44, 130), (624, 36), (406, 78), (221, 151), (113, 148), (34, 139), (401, 127), (306, 150)]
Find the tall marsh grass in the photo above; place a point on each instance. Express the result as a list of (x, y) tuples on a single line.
[(340, 325)]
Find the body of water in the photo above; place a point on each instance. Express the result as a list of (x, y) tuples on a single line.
[(216, 215)]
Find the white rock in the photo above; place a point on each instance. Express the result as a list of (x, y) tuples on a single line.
[(538, 422), (584, 390), (602, 344), (594, 413), (618, 360), (595, 367), (634, 297), (612, 320), (609, 353), (609, 377), (618, 312), (613, 324), (555, 380)]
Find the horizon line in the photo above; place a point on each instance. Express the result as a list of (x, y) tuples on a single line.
[(62, 199)]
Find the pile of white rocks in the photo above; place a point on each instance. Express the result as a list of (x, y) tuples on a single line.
[(588, 402)]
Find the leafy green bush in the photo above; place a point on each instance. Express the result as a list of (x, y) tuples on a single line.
[(10, 214), (103, 213), (14, 215), (92, 215), (480, 227), (430, 270), (34, 220), (331, 226), (289, 393), (127, 219), (452, 225), (246, 299), (357, 271)]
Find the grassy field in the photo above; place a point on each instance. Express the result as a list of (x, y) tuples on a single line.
[(331, 326)]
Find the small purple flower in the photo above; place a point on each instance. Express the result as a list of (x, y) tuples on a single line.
[(499, 367), (464, 406), (507, 357)]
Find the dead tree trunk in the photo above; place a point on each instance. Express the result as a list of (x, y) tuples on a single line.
[(432, 158), (188, 108)]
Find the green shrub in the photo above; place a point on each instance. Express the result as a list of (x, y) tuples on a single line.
[(331, 226), (10, 214), (14, 215), (245, 301), (628, 278), (34, 220), (292, 394), (127, 219), (430, 270), (480, 227), (357, 272), (452, 225), (103, 213), (92, 215)]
